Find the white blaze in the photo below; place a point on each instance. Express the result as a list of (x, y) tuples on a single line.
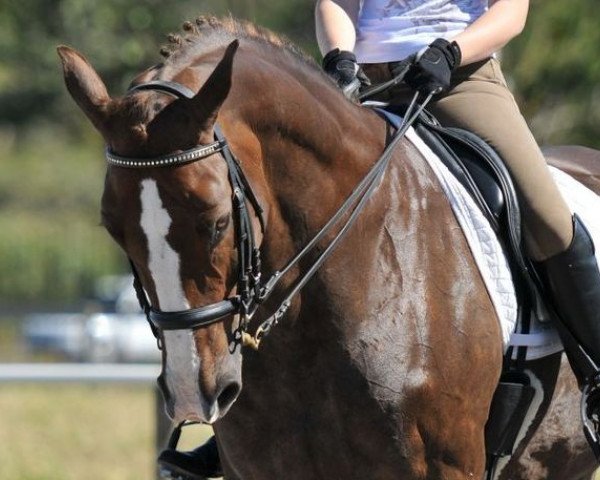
[(182, 364)]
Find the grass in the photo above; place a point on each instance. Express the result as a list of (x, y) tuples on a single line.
[(68, 432), (75, 431)]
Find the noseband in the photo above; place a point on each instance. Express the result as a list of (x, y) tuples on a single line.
[(251, 291)]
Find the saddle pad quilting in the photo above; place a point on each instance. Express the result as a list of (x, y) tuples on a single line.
[(543, 339), (482, 240)]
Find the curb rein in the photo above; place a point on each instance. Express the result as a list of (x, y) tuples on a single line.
[(251, 291)]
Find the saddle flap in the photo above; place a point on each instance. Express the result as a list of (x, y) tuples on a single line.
[(468, 167)]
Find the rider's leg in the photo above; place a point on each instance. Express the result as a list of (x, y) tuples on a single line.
[(482, 103), (572, 277)]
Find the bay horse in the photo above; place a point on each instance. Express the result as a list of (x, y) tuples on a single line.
[(385, 364)]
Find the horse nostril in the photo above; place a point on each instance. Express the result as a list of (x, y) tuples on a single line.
[(228, 396)]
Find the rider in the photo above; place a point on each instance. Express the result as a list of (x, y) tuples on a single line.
[(452, 45)]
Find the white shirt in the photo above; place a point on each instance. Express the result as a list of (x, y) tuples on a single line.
[(391, 30)]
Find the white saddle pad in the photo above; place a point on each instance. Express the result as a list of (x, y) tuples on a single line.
[(489, 256)]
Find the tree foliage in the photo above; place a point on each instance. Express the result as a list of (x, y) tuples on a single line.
[(555, 68), (120, 37), (51, 248)]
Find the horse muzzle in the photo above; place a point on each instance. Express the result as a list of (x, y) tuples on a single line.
[(201, 407)]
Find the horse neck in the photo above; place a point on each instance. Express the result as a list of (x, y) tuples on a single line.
[(304, 148), (314, 145)]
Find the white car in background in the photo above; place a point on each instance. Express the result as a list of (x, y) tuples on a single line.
[(111, 329)]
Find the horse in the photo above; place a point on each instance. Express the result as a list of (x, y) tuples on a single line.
[(385, 363)]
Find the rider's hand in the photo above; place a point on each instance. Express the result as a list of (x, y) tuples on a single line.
[(433, 66), (342, 67)]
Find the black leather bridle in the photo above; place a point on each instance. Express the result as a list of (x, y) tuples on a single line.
[(248, 283), (249, 265), (251, 290)]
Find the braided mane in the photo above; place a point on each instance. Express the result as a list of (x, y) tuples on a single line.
[(208, 31)]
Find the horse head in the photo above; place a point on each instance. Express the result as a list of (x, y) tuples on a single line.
[(191, 238), (175, 224)]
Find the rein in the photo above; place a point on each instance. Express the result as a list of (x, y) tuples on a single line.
[(251, 290)]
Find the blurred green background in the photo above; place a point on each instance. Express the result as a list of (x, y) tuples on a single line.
[(51, 166), (52, 249)]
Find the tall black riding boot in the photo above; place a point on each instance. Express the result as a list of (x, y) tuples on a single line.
[(201, 463), (573, 280)]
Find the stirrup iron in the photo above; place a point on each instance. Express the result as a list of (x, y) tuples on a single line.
[(590, 413)]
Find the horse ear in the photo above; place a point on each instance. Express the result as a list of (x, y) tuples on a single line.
[(207, 102), (85, 85)]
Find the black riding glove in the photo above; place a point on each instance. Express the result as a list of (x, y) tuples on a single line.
[(433, 66), (342, 67)]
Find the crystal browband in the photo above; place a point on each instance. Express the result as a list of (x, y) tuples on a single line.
[(172, 159)]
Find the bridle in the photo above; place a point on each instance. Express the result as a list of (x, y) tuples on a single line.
[(248, 283), (251, 291)]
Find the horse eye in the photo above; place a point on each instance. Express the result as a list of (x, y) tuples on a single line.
[(222, 223), (219, 228)]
